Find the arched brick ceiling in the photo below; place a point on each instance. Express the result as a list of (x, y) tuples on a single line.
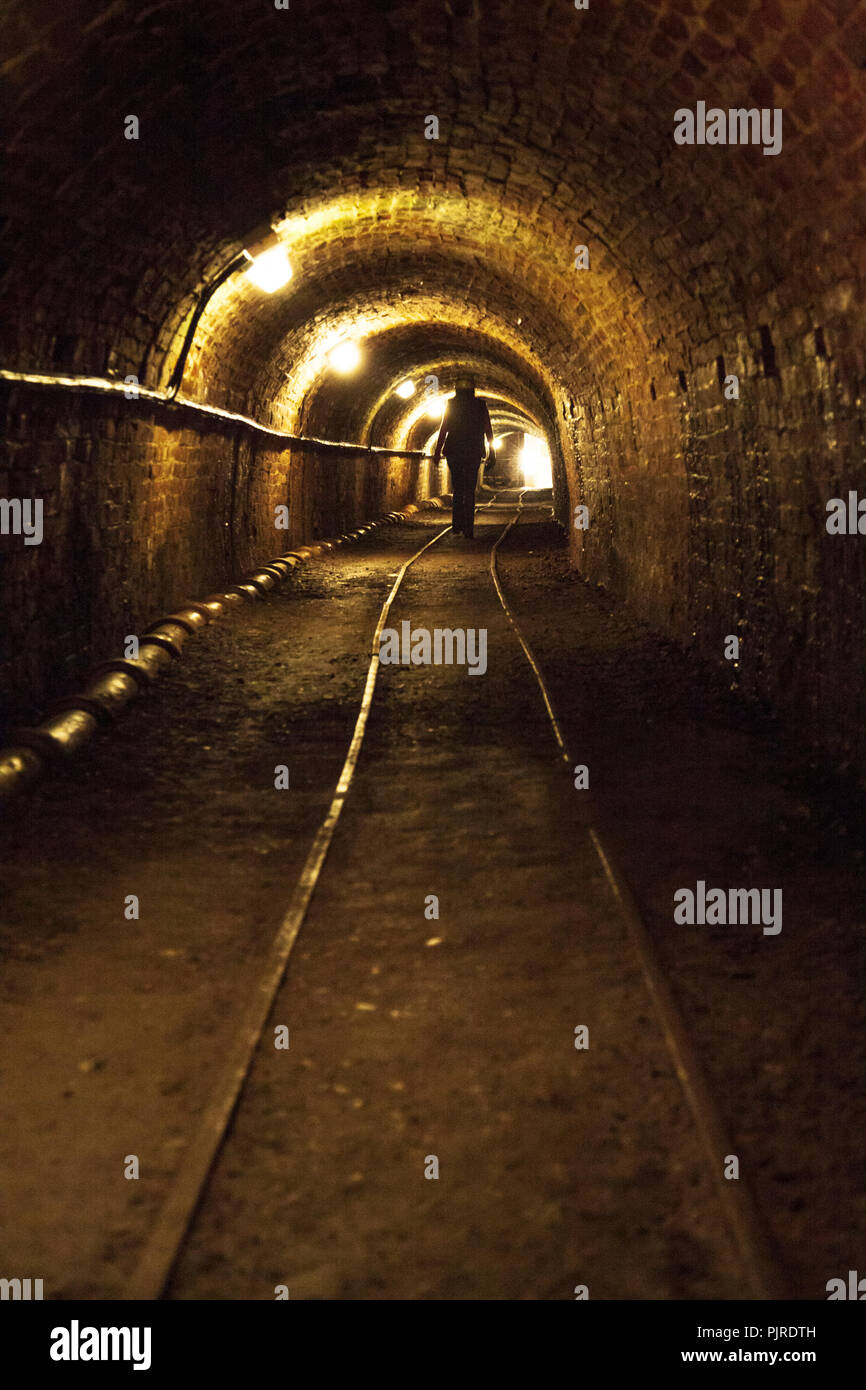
[(555, 128), (365, 403), (266, 353)]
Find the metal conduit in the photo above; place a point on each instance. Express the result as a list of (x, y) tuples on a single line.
[(102, 386)]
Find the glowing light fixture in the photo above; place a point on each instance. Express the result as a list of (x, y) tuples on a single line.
[(345, 357), (406, 389), (270, 268)]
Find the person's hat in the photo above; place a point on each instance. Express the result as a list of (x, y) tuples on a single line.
[(464, 383)]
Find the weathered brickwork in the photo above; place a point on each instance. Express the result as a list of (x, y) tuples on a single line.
[(709, 516), (142, 511), (555, 131)]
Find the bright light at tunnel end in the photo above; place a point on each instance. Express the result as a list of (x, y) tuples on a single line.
[(345, 357), (535, 463)]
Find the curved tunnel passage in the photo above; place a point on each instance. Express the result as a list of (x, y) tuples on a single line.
[(473, 185)]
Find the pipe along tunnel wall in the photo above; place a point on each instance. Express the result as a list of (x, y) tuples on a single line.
[(449, 243)]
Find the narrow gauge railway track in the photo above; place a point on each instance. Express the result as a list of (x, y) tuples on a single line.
[(762, 1274)]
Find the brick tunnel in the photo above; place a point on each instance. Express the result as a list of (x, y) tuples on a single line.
[(639, 228)]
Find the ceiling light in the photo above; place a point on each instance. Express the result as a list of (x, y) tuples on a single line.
[(406, 389), (345, 357), (270, 268)]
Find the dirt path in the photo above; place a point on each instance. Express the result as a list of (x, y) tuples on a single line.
[(557, 1167), (453, 1039)]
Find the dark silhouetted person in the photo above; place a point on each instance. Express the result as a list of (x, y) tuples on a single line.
[(465, 429)]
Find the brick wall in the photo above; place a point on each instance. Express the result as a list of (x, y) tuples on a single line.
[(708, 515), (143, 509)]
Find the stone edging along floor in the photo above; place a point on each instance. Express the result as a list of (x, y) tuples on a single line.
[(114, 684)]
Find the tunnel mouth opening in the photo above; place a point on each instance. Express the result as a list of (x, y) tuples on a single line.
[(524, 457), (524, 449), (536, 463)]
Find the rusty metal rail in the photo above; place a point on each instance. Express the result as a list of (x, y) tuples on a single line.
[(176, 1218), (763, 1271), (174, 1222)]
